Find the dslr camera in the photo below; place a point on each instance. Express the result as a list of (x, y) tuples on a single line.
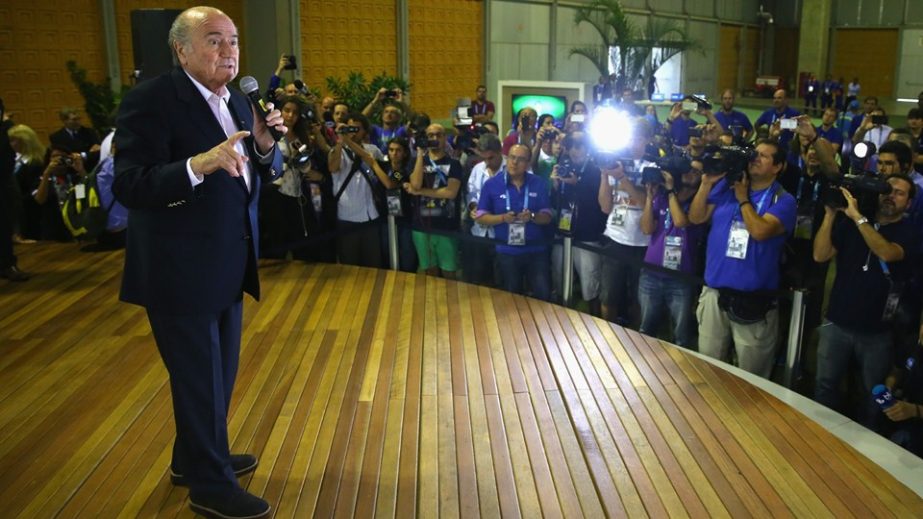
[(467, 136), (290, 63)]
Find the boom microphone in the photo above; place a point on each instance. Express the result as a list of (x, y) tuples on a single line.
[(251, 88)]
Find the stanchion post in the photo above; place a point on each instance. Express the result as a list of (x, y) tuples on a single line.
[(567, 277), (795, 329), (392, 242)]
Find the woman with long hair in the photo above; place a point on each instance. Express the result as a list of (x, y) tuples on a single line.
[(40, 214), (292, 206)]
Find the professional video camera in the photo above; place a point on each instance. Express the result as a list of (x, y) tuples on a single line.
[(866, 187), (732, 161), (468, 135), (675, 165)]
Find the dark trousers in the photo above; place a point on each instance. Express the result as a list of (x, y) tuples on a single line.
[(358, 244), (201, 353), (536, 268)]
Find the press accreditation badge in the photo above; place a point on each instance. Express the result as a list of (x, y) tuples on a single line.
[(394, 202), (618, 217), (80, 191), (672, 252), (738, 239), (564, 220), (893, 301), (803, 225), (517, 234), (316, 199)]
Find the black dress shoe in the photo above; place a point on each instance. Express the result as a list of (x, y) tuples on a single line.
[(239, 505), (13, 274), (241, 464)]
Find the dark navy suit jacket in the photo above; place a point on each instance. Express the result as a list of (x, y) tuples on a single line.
[(189, 250)]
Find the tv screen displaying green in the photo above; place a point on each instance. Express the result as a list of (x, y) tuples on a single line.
[(543, 104)]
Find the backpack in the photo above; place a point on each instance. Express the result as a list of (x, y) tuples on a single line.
[(83, 216)]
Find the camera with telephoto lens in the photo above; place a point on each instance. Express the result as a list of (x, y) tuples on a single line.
[(67, 160), (394, 92), (732, 161), (865, 186), (674, 165), (467, 136), (290, 63)]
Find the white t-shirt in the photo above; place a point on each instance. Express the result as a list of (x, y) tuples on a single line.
[(624, 223)]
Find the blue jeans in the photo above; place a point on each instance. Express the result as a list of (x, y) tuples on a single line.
[(536, 268), (657, 294), (837, 347)]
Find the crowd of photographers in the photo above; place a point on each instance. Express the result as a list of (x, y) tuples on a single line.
[(691, 231), (695, 231)]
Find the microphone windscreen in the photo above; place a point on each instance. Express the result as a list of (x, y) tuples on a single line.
[(249, 84)]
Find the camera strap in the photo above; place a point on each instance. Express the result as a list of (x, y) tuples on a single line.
[(349, 177)]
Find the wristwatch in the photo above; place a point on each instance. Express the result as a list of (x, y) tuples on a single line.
[(861, 221)]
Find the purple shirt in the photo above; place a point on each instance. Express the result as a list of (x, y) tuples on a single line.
[(833, 135), (499, 196), (663, 227), (118, 215), (759, 270), (770, 116)]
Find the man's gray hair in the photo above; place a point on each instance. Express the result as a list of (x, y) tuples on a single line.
[(489, 142), (185, 22)]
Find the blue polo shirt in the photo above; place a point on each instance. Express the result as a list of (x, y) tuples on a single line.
[(834, 135), (759, 270), (733, 118), (770, 116), (381, 137), (493, 200), (679, 130)]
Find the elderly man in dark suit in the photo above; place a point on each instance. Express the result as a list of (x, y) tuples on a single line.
[(191, 156), (76, 138)]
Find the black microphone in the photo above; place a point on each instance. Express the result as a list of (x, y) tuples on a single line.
[(299, 84), (251, 88)]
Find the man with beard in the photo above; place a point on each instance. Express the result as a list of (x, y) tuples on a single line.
[(871, 271)]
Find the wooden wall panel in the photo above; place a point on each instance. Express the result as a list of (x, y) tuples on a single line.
[(36, 39), (445, 53), (738, 57), (870, 54), (342, 37), (785, 54)]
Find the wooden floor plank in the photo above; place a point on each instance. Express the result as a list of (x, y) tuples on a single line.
[(373, 393)]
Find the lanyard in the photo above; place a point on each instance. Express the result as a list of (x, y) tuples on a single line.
[(387, 137), (479, 108), (525, 198), (438, 171), (759, 205), (800, 190)]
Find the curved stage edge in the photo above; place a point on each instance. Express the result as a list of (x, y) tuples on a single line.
[(369, 392)]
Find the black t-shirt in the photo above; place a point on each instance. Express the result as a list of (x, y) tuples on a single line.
[(587, 220), (438, 213), (400, 175), (910, 365), (860, 290)]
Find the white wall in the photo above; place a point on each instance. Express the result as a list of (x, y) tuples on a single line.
[(910, 64)]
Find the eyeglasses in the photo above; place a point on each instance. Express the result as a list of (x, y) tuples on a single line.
[(519, 159)]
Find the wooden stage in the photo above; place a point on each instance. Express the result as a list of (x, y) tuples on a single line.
[(373, 393)]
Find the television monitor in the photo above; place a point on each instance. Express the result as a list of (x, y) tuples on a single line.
[(543, 104)]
